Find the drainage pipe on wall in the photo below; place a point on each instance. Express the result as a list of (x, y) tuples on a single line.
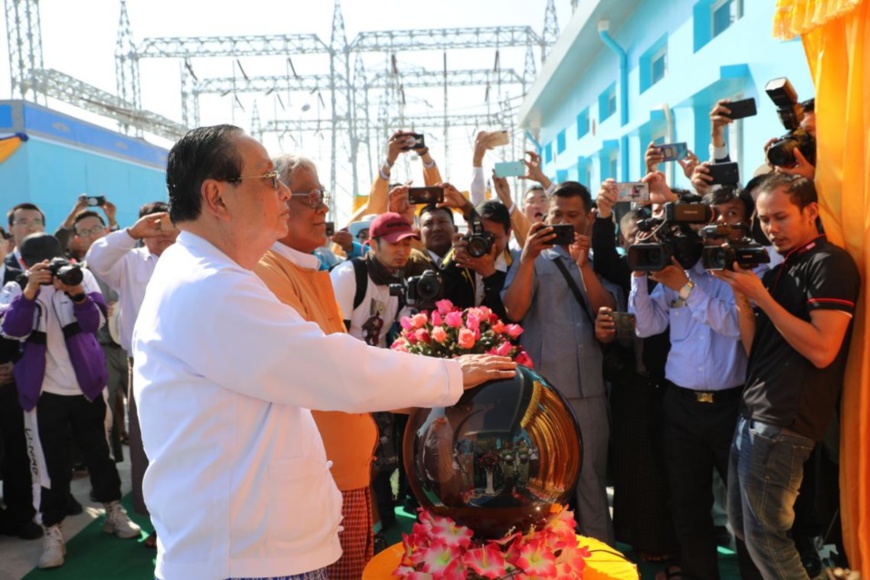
[(603, 32)]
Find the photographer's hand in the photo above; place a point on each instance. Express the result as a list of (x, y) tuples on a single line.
[(701, 178), (605, 328), (110, 210), (579, 250), (801, 167), (37, 275), (344, 239), (540, 238), (149, 226), (396, 146), (502, 190), (719, 119), (400, 204), (480, 368), (533, 170), (455, 200), (481, 146), (652, 157), (673, 276), (484, 265), (607, 197), (70, 290), (659, 192), (689, 163)]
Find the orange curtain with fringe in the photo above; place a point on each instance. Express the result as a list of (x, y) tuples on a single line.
[(836, 39)]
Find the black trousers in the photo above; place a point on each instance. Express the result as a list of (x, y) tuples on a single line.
[(60, 420), (14, 464), (697, 439)]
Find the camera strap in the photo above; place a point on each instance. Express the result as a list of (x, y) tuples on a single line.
[(574, 289)]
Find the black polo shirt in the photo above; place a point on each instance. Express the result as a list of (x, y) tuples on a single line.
[(783, 387)]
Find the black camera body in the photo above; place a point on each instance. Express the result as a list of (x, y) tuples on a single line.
[(791, 113), (672, 237), (478, 241), (419, 291), (745, 251), (62, 269)]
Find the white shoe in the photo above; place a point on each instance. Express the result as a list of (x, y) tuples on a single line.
[(117, 522), (53, 548)]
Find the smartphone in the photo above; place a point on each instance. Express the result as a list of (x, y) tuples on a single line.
[(96, 200), (498, 138), (742, 108), (724, 173), (419, 142), (330, 229), (625, 324), (510, 169), (564, 235), (673, 151), (632, 191), (425, 195)]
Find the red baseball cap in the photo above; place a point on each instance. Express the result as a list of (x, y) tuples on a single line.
[(391, 227)]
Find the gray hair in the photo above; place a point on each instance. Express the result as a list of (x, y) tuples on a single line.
[(287, 163)]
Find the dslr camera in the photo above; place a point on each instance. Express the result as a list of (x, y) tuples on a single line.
[(745, 251), (791, 113), (479, 241), (419, 292), (670, 237), (62, 269)]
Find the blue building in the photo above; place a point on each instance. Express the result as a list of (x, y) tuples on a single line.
[(60, 157), (627, 72)]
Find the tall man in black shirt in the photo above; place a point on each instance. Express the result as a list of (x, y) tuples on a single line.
[(797, 338)]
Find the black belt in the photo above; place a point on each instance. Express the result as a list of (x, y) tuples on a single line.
[(707, 396)]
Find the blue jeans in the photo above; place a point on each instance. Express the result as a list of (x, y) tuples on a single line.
[(764, 474)]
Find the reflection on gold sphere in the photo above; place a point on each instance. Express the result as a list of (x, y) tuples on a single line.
[(506, 454)]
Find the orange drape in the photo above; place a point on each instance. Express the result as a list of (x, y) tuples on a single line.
[(8, 146), (836, 38)]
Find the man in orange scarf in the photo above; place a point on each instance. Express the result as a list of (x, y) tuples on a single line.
[(291, 272)]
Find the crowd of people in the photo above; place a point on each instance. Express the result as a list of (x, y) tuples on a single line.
[(263, 438)]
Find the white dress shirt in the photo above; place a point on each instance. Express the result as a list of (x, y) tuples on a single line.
[(225, 375), (127, 270)]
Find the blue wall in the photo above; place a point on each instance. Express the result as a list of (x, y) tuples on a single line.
[(64, 157), (700, 70)]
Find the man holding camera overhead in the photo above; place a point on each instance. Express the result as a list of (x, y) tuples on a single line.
[(61, 377), (554, 291), (704, 372)]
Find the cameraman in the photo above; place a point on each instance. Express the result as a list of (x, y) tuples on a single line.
[(797, 337), (704, 372), (475, 281), (61, 377)]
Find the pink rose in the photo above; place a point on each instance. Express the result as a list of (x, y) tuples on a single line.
[(423, 335), (399, 345), (504, 349), (420, 319), (466, 338), (524, 359), (439, 335), (412, 338), (406, 323), (436, 318), (514, 330), (472, 322), (453, 319), (444, 306)]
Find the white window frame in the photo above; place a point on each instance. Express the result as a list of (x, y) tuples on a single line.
[(660, 53)]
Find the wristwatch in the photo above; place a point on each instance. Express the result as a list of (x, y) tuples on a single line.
[(686, 291)]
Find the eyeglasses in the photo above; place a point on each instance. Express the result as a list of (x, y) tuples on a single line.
[(24, 222), (316, 197), (94, 231), (273, 175)]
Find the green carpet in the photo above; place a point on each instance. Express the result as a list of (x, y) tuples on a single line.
[(93, 555)]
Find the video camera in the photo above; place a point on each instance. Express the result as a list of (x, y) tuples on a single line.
[(791, 113), (419, 292), (478, 241), (671, 236), (745, 251)]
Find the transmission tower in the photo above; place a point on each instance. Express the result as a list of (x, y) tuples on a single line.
[(127, 67), (551, 29), (25, 47)]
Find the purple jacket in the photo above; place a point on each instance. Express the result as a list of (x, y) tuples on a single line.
[(88, 358)]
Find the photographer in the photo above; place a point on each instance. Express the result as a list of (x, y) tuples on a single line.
[(478, 280), (797, 336), (60, 377), (704, 372), (66, 233), (553, 289)]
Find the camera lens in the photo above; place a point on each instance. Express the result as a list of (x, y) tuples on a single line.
[(781, 153)]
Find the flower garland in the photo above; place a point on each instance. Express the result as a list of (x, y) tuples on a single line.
[(449, 332), (437, 548)]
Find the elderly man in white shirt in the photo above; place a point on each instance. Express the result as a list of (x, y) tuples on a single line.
[(225, 375), (126, 265)]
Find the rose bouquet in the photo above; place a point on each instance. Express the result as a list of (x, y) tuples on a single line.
[(448, 332), (439, 548), (489, 460)]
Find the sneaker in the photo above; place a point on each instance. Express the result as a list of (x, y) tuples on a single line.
[(117, 522), (53, 548)]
